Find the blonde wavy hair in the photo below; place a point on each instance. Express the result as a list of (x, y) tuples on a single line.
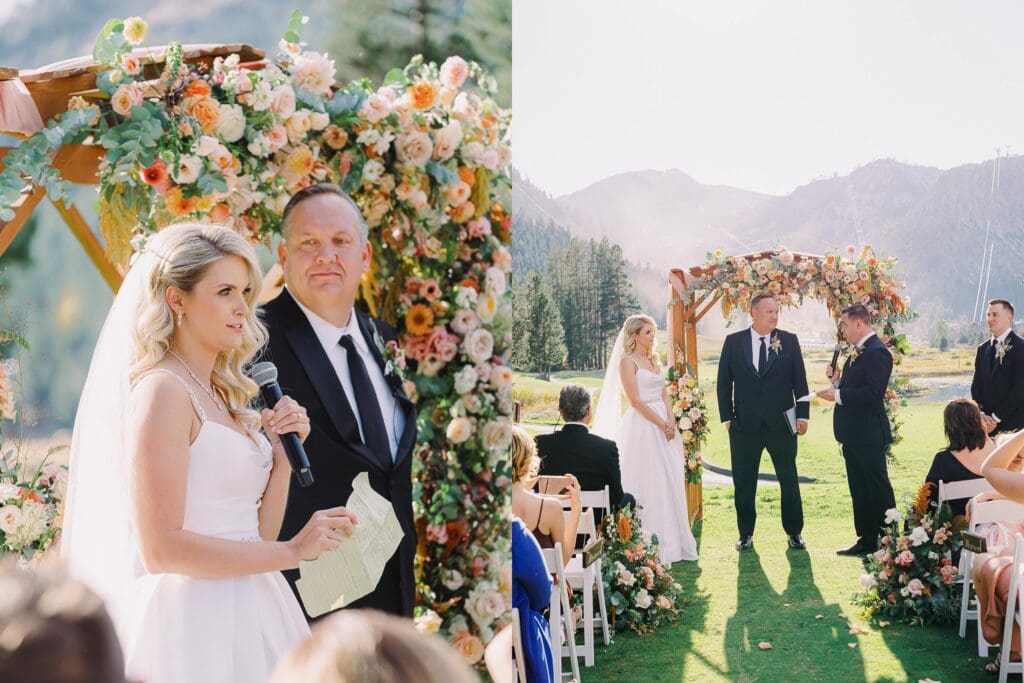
[(525, 462), (184, 252), (631, 328)]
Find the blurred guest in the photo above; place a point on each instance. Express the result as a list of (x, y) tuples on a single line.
[(531, 594), (967, 448), (369, 646), (55, 630)]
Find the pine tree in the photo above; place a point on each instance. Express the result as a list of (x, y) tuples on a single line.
[(544, 346)]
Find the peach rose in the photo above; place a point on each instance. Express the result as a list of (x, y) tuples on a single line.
[(335, 137), (454, 71), (459, 193), (469, 646), (130, 64), (125, 97), (414, 148), (463, 212), (424, 94), (197, 88), (206, 110)]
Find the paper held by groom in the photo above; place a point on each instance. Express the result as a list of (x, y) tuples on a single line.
[(338, 578)]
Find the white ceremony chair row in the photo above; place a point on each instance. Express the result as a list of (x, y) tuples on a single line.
[(517, 646), (958, 490), (563, 641), (1014, 605)]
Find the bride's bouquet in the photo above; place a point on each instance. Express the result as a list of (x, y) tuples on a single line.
[(910, 577), (690, 413), (641, 593)]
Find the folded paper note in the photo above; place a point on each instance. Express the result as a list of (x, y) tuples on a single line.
[(339, 577)]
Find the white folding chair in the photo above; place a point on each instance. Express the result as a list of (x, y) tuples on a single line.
[(1014, 605), (981, 513), (560, 615), (958, 490), (596, 499), (517, 646), (588, 579)]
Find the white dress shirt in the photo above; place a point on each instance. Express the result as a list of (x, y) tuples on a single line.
[(860, 345), (330, 338)]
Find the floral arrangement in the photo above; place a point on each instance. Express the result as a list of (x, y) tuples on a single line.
[(910, 577), (425, 156), (839, 279), (641, 593), (691, 415)]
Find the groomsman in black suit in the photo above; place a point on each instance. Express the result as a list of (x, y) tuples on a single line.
[(593, 460), (998, 386), (760, 375), (861, 425)]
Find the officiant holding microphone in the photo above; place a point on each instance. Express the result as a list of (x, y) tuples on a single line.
[(760, 377)]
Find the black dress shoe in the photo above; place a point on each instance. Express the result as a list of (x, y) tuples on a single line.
[(745, 543), (853, 550), (796, 542)]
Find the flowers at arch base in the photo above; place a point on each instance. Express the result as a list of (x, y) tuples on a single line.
[(691, 415), (640, 592), (910, 578)]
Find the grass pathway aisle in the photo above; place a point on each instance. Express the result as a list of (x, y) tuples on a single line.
[(772, 594)]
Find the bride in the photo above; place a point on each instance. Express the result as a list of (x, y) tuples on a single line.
[(175, 497), (650, 451)]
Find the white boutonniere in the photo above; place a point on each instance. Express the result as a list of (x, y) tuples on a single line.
[(776, 345), (1001, 352), (855, 354), (391, 352)]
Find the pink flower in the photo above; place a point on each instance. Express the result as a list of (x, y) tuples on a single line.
[(454, 71), (905, 559), (479, 227)]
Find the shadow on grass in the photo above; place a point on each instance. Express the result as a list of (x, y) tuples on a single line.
[(813, 651)]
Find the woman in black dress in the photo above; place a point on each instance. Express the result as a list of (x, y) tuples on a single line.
[(968, 447)]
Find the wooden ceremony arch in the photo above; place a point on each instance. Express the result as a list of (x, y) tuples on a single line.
[(690, 303), (50, 88)]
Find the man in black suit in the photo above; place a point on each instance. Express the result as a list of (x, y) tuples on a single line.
[(760, 375), (593, 460), (998, 386), (861, 425), (329, 358)]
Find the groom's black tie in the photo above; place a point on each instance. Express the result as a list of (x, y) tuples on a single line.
[(375, 435), (762, 358), (992, 353)]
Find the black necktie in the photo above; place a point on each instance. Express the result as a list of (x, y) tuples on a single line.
[(992, 353), (762, 358), (375, 435)]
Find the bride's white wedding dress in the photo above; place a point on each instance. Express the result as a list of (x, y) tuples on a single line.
[(180, 629), (653, 471)]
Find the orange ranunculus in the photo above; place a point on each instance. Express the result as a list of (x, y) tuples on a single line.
[(178, 204), (497, 211), (197, 88), (467, 175), (470, 282), (206, 111), (424, 94), (220, 213), (625, 528), (419, 319)]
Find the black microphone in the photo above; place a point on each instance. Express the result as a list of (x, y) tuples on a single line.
[(265, 375), (835, 358)]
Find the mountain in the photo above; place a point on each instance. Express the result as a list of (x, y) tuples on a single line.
[(934, 220)]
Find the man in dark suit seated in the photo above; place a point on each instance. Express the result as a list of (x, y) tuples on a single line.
[(998, 386), (593, 460)]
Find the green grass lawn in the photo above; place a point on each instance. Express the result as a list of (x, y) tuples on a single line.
[(735, 601)]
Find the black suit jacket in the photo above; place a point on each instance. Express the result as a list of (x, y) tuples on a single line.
[(592, 459), (336, 452), (750, 401), (861, 419), (999, 387)]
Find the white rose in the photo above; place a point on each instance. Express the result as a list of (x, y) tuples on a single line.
[(207, 146), (486, 307), (685, 423), (459, 429), (489, 159), (497, 435), (376, 107), (188, 169), (465, 380), (8, 492), (452, 579), (643, 599), (495, 281), (479, 345), (298, 125), (868, 581), (428, 622), (259, 146), (372, 171), (282, 101), (893, 515), (447, 140), (319, 120), (466, 297), (504, 155), (473, 151), (919, 536), (501, 376), (414, 148), (10, 518), (231, 124)]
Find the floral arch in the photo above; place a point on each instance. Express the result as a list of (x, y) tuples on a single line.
[(838, 279), (221, 134)]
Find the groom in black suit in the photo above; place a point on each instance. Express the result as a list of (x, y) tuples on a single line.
[(998, 386), (861, 425), (760, 375), (329, 358)]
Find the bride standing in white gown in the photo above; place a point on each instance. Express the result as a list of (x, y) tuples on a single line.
[(175, 497), (650, 450)]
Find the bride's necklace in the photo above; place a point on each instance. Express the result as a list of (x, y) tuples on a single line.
[(209, 392)]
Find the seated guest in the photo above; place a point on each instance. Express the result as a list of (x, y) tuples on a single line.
[(542, 514), (968, 446), (592, 459), (55, 630), (531, 595), (358, 646), (990, 571)]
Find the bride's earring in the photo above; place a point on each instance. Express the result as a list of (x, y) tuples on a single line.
[(181, 316)]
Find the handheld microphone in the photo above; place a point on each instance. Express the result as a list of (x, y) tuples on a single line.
[(835, 358), (265, 375)]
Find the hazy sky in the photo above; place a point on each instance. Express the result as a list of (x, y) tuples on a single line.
[(761, 95)]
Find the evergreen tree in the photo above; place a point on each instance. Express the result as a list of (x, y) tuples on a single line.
[(544, 340)]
